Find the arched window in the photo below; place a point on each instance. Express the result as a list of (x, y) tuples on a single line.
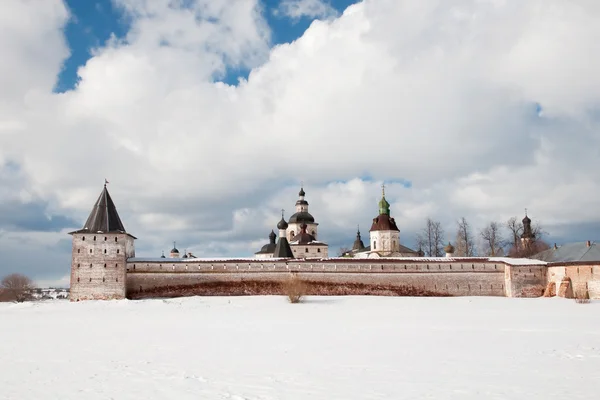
[(94, 238), (374, 244), (291, 235)]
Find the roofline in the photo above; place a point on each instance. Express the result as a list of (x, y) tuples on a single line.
[(569, 263), (79, 231)]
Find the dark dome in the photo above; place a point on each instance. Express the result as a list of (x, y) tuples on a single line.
[(302, 216), (174, 250), (267, 249), (449, 248), (301, 203), (282, 224), (526, 220), (303, 237), (272, 236), (301, 192)]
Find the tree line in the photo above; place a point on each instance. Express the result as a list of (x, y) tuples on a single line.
[(496, 239)]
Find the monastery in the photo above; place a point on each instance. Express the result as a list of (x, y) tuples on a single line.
[(104, 264)]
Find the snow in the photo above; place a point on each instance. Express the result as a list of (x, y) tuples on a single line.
[(325, 348)]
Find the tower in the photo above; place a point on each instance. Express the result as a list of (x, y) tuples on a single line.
[(100, 252), (385, 235), (300, 217), (527, 237), (174, 252), (282, 249), (267, 250), (358, 243)]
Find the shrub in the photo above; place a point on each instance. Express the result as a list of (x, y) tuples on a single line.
[(294, 288), (16, 287)]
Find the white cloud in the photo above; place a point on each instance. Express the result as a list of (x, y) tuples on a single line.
[(440, 94), (296, 9)]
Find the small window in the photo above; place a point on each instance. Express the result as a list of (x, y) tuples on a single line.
[(77, 279), (117, 251), (90, 251), (375, 245), (103, 279), (94, 238), (306, 250), (90, 279), (105, 238), (318, 250), (78, 265), (104, 251), (117, 280), (116, 265), (79, 250), (90, 265), (104, 265), (83, 238), (115, 239)]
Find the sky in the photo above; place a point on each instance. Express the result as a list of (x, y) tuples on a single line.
[(206, 115)]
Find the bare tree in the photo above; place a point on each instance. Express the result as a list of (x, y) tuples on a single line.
[(431, 239), (515, 227), (493, 241), (342, 251), (465, 243), (16, 287), (529, 247)]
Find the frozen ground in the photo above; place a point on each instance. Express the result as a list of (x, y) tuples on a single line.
[(327, 348)]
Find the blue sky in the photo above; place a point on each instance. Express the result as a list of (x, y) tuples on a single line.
[(93, 22)]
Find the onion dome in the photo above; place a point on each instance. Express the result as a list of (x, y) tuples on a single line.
[(301, 193), (185, 254), (449, 249), (420, 252), (163, 255), (272, 237), (282, 225), (384, 206)]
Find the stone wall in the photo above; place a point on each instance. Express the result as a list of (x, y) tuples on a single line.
[(525, 280), (585, 277), (452, 278), (98, 266)]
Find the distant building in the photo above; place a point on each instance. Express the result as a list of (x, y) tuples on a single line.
[(571, 252), (384, 236)]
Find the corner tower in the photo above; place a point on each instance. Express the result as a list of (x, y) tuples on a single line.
[(100, 252), (385, 235)]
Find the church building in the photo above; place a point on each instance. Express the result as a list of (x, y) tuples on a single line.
[(384, 236), (300, 234)]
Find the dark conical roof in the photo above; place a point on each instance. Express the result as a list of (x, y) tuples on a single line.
[(358, 243), (104, 217), (283, 249)]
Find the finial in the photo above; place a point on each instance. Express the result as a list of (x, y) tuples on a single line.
[(105, 182), (301, 184), (525, 212), (174, 245), (282, 211), (383, 189)]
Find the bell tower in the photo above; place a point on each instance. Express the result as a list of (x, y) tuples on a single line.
[(99, 254)]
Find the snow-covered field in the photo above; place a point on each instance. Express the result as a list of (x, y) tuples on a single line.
[(326, 348)]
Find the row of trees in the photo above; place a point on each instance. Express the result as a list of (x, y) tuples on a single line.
[(16, 287), (496, 239)]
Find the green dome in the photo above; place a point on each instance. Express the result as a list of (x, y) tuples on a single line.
[(384, 206)]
